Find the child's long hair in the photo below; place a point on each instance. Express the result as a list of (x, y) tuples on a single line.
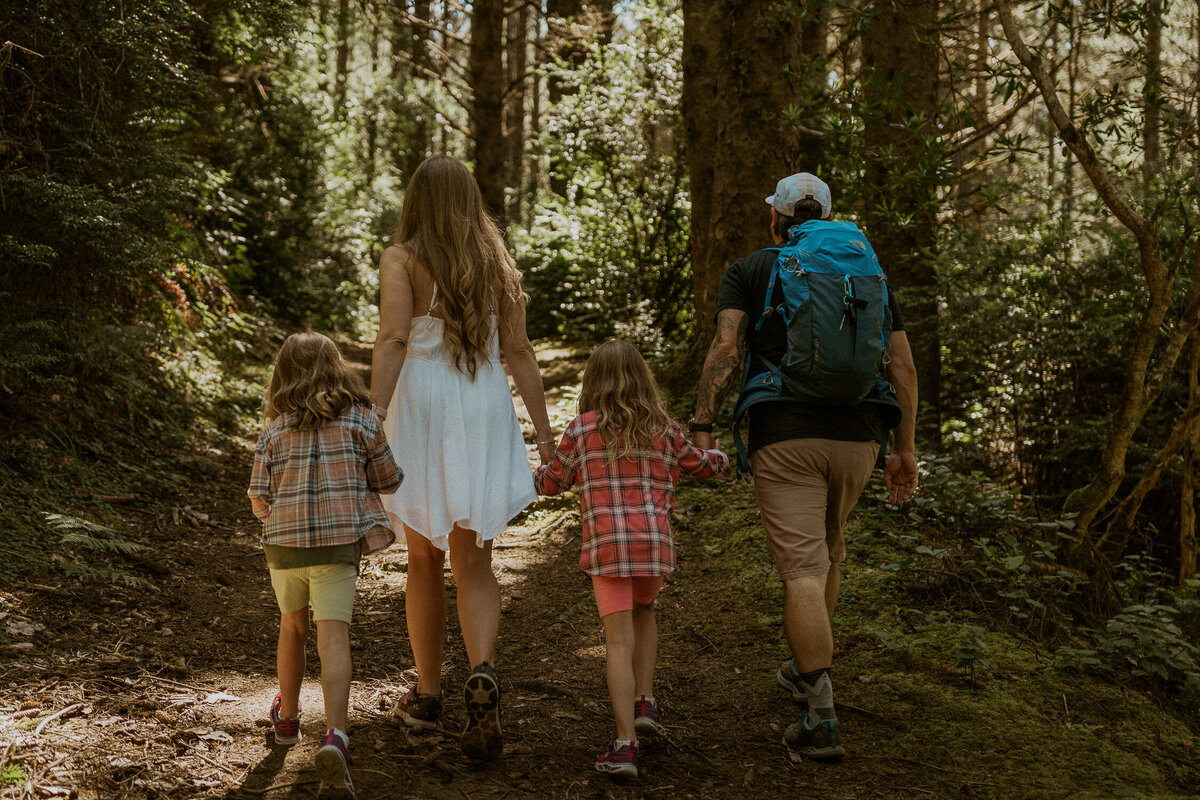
[(312, 381), (629, 408), (443, 223)]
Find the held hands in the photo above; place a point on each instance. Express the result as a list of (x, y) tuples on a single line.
[(705, 441), (546, 450), (900, 477)]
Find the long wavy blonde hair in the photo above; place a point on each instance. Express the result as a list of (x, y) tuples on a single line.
[(629, 407), (443, 222), (313, 381)]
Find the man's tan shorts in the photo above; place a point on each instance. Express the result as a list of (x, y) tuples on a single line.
[(328, 588), (805, 490)]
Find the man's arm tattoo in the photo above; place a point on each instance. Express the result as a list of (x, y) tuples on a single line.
[(721, 369)]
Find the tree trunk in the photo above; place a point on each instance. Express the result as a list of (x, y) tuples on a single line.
[(487, 113), (1151, 92), (1191, 475), (342, 67), (419, 145), (901, 93), (738, 143), (1089, 500), (514, 128), (564, 47)]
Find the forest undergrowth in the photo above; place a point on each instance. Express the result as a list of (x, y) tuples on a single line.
[(142, 667)]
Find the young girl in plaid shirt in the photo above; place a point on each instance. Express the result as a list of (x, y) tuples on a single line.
[(625, 454), (319, 467)]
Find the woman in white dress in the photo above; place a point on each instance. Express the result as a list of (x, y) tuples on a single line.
[(450, 305)]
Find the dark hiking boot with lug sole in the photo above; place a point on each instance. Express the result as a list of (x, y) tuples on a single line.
[(820, 741), (421, 711), (483, 739), (789, 679)]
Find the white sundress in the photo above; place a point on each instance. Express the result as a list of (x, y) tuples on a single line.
[(457, 440)]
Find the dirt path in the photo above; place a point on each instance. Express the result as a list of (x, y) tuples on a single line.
[(108, 691)]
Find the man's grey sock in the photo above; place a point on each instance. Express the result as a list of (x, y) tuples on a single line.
[(818, 689)]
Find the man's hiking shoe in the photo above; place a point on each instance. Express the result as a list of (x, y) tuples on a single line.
[(482, 740), (333, 765), (789, 679), (287, 730), (647, 718), (820, 742), (422, 711), (619, 762)]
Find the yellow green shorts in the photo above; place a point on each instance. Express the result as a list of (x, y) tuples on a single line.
[(328, 588)]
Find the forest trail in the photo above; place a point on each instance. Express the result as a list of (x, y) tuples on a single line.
[(129, 693)]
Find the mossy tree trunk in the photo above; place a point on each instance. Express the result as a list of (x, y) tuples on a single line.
[(1142, 385), (487, 111), (739, 143), (900, 80)]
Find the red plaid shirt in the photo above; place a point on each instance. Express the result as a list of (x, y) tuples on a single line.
[(627, 504), (323, 483)]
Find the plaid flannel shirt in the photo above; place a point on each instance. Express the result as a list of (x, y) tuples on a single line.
[(627, 504), (323, 484)]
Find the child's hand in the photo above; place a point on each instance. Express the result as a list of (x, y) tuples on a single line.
[(260, 507)]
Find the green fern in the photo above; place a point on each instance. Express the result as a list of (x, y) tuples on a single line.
[(96, 540)]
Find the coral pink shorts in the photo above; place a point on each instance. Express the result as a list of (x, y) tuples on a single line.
[(619, 594)]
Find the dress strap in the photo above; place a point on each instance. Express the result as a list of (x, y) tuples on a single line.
[(433, 299)]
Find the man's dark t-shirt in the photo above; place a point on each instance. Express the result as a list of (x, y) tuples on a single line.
[(744, 288)]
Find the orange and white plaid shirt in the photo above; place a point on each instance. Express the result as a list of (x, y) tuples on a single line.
[(323, 484)]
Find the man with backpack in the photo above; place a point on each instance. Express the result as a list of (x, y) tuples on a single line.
[(812, 331)]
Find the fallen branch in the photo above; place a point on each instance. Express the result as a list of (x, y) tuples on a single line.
[(56, 715)]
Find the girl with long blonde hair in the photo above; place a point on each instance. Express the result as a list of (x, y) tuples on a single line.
[(625, 455), (450, 305), (320, 466)]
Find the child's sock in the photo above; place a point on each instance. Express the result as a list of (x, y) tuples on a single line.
[(649, 698), (342, 735), (619, 743), (818, 690)]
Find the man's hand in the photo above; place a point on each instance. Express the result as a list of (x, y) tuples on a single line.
[(704, 441), (900, 477)]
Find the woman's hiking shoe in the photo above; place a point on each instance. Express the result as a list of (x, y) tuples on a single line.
[(820, 741), (619, 761), (287, 729), (647, 718), (333, 765), (789, 679), (422, 711), (482, 740)]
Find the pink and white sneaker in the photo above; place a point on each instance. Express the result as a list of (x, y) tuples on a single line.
[(333, 765)]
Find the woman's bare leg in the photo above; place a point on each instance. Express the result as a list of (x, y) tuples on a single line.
[(425, 609)]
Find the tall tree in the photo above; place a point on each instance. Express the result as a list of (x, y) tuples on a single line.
[(1150, 356), (738, 141), (516, 62), (900, 87), (487, 111)]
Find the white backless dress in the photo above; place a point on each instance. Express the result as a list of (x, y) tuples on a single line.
[(457, 440)]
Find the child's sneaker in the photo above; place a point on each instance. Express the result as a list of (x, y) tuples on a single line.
[(422, 711), (619, 761), (333, 764), (483, 739), (287, 730), (819, 741), (647, 717)]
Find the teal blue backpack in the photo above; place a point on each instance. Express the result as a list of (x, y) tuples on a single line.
[(833, 298)]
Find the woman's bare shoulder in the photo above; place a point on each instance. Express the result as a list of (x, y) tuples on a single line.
[(396, 256)]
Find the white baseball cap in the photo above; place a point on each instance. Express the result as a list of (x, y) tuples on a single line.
[(800, 186)]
